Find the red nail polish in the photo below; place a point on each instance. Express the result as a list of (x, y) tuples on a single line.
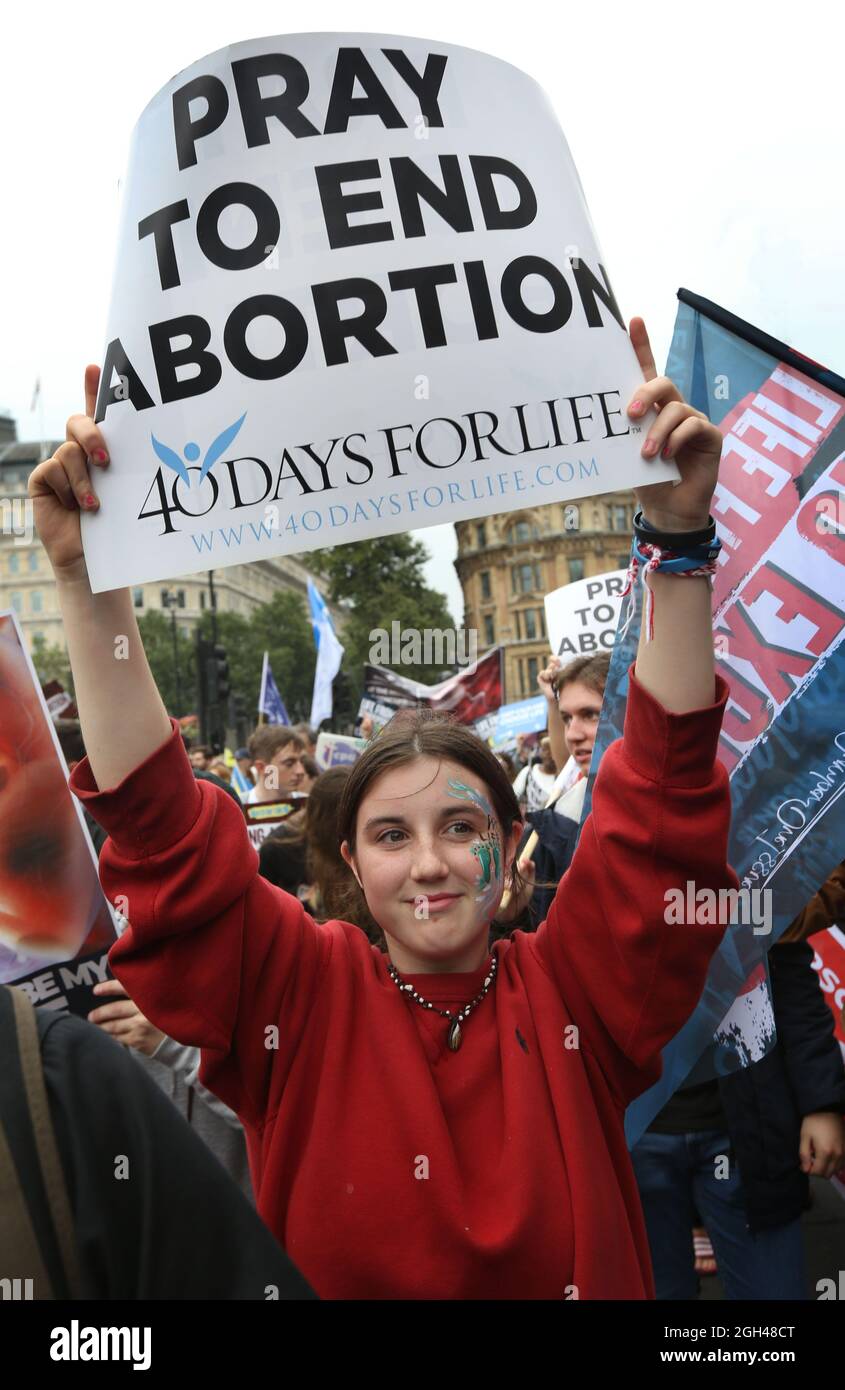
[(90, 500), (636, 407), (666, 451), (100, 455)]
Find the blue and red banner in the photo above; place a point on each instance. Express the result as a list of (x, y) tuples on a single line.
[(779, 624)]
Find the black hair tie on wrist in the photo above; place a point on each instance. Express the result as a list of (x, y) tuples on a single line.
[(681, 541)]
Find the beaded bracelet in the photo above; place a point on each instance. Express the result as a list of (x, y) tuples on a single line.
[(687, 555)]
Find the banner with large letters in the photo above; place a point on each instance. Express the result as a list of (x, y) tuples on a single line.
[(778, 630), (472, 696), (56, 925), (357, 291)]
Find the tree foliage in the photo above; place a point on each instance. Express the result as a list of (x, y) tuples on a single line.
[(380, 582), (51, 663)]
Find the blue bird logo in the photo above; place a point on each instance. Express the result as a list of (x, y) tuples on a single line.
[(191, 452)]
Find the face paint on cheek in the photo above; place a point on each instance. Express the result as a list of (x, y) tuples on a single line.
[(487, 850)]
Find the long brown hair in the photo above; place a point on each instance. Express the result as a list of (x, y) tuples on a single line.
[(426, 733), (339, 895)]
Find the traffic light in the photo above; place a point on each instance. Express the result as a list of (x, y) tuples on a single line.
[(223, 683), (217, 675), (239, 708)]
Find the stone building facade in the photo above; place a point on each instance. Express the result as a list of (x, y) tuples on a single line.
[(508, 563)]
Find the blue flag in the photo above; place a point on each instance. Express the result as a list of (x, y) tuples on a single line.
[(240, 783), (270, 702), (778, 629), (329, 656)]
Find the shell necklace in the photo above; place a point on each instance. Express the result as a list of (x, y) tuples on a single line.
[(454, 1035)]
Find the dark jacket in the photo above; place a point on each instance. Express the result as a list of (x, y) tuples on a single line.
[(765, 1103), (177, 1227), (557, 838)]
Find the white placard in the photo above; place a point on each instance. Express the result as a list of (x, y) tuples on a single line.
[(357, 291), (581, 618)]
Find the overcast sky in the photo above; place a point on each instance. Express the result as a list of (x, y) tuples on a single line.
[(708, 138)]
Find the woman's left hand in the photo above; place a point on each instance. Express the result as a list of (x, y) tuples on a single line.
[(681, 433)]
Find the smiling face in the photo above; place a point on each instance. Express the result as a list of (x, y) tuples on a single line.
[(580, 708), (431, 858)]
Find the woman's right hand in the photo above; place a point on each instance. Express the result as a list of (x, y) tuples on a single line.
[(61, 486)]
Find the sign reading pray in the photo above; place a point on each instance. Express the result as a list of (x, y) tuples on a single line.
[(357, 291)]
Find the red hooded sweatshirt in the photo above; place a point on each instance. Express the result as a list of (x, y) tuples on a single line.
[(386, 1165)]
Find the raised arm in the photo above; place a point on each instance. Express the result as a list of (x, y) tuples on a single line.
[(629, 956), (214, 956), (121, 713)]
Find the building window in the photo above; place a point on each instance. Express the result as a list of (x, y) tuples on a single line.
[(533, 663), (180, 598), (617, 518), (202, 598), (525, 579), (522, 531), (138, 597), (14, 564), (576, 569), (37, 605), (529, 621), (481, 535), (485, 584), (33, 561), (489, 630), (17, 602)]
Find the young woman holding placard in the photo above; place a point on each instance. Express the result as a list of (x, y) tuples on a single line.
[(439, 1122)]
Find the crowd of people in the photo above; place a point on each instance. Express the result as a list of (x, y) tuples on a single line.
[(410, 1025)]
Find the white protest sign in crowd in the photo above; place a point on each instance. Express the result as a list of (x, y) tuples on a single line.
[(581, 618), (357, 291)]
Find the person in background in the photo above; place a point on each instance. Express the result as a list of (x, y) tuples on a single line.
[(276, 754), (574, 693), (508, 764), (176, 1228), (281, 860), (174, 1069), (523, 752), (220, 768), (534, 783), (312, 772), (739, 1150), (200, 757), (307, 737), (244, 763), (825, 909)]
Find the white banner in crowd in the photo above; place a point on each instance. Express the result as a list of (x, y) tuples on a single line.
[(581, 617), (357, 291)]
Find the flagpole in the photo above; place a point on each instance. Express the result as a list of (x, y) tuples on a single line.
[(263, 689)]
